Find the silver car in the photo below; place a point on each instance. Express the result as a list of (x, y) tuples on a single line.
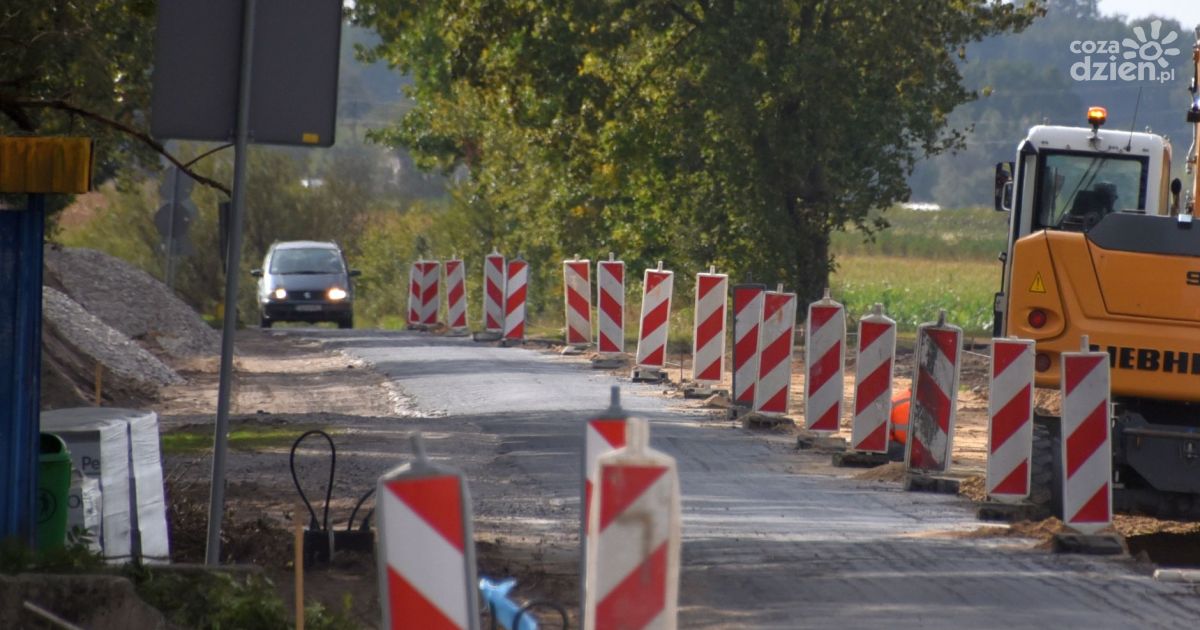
[(305, 281)]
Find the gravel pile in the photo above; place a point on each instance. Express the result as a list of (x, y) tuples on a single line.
[(75, 341), (131, 301)]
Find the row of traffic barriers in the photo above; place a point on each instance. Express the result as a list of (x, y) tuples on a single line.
[(629, 533)]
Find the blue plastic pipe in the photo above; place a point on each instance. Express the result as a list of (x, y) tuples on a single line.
[(504, 610)]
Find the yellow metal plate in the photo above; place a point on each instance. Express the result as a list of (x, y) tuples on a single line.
[(35, 165)]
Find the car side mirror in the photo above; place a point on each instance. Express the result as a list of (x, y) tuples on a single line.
[(1004, 187), (354, 273), (257, 273)]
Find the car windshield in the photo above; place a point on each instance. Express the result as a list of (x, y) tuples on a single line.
[(311, 260), (1079, 189)]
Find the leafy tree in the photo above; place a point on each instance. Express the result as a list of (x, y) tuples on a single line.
[(705, 131)]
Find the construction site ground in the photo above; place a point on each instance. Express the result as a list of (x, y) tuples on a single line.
[(773, 536)]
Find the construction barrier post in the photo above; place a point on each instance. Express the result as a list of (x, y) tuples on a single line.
[(655, 320), (775, 340), (931, 412), (633, 538), (708, 338), (610, 298), (430, 298), (747, 318), (1010, 420), (515, 290), (426, 554), (874, 372), (602, 434), (824, 365), (456, 298), (1086, 440), (414, 293), (577, 297), (493, 297)]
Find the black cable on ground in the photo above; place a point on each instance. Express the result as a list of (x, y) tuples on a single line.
[(314, 524)]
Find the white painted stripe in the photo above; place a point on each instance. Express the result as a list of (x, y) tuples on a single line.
[(627, 542), (594, 447), (747, 322), (493, 277), (426, 560), (706, 352), (513, 319), (1080, 487), (648, 343), (1008, 383), (606, 283), (1015, 381)]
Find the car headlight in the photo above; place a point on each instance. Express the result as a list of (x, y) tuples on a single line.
[(280, 293), (336, 294)]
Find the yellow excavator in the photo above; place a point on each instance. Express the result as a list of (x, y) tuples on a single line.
[(1102, 243)]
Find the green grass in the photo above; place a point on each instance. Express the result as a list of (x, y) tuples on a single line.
[(965, 234), (196, 441), (913, 289)]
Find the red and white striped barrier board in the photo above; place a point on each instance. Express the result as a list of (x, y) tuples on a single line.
[(656, 311), (633, 538), (426, 553), (824, 365), (931, 412), (708, 338), (456, 295), (1086, 443), (776, 337), (874, 371), (493, 292), (429, 298), (747, 318), (414, 291), (515, 287), (577, 293), (610, 298), (1010, 420), (601, 435)]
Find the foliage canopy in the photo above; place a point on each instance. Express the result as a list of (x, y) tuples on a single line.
[(702, 132)]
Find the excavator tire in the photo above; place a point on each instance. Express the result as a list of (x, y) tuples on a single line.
[(1045, 487)]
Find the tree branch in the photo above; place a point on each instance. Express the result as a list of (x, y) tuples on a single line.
[(688, 17), (142, 136)]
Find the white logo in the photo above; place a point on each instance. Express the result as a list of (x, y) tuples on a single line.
[(1140, 59)]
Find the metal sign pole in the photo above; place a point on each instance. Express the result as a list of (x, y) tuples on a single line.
[(233, 258), (168, 272)]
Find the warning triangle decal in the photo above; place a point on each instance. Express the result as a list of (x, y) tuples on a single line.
[(1038, 285)]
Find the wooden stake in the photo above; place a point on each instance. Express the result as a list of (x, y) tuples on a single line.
[(298, 524)]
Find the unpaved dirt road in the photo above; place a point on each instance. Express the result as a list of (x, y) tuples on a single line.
[(773, 538)]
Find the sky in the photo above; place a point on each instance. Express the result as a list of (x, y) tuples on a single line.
[(1186, 11)]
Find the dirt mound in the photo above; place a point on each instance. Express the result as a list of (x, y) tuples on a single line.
[(74, 341), (103, 602), (891, 471), (131, 301)]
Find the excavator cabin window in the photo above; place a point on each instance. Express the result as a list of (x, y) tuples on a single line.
[(1076, 190)]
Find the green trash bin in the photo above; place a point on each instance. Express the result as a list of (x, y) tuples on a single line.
[(54, 486)]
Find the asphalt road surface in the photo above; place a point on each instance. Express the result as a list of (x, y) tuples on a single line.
[(772, 537)]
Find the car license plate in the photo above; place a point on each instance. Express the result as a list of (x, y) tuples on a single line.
[(308, 308)]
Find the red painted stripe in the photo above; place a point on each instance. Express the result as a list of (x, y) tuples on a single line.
[(1088, 437), (822, 314), (875, 441), (517, 332), (747, 395), (456, 293), (825, 368), (515, 267), (494, 293), (515, 299), (772, 302), (497, 262), (413, 316), (639, 598), (437, 500), (873, 386), (711, 372), (828, 420), (1011, 417), (743, 296), (409, 608), (587, 503), (491, 322), (608, 345), (1096, 509), (710, 327), (611, 306), (745, 347), (616, 270), (1015, 482), (621, 485), (452, 266), (920, 457), (430, 293), (655, 278), (946, 341), (459, 321), (773, 354), (656, 358), (1078, 368), (1003, 354), (930, 396), (580, 268), (707, 284), (579, 303), (777, 403), (613, 431), (871, 331), (654, 319)]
